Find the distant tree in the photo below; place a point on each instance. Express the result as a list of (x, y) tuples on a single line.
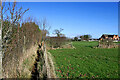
[(75, 38), (82, 38), (58, 32), (85, 37)]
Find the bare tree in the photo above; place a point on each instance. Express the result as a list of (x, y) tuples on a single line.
[(58, 32), (13, 17), (44, 28)]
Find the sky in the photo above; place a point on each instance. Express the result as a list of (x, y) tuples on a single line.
[(63, 0), (76, 18)]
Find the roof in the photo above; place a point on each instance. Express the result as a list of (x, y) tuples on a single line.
[(110, 35), (107, 35)]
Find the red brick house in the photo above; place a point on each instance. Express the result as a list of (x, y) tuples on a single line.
[(113, 37)]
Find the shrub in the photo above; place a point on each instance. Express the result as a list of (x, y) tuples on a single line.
[(107, 43), (57, 41)]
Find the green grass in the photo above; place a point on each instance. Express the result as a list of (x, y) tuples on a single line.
[(86, 62)]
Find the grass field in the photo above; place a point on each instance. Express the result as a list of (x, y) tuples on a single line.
[(85, 61)]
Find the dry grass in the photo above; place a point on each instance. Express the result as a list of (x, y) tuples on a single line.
[(26, 62), (51, 63), (17, 66)]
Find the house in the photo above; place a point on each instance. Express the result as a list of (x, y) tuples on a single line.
[(106, 36), (94, 39)]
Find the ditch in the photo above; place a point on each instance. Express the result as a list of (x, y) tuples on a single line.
[(39, 70)]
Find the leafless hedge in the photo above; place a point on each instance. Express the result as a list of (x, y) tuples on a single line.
[(22, 39)]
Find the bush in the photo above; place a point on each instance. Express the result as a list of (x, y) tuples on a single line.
[(107, 43), (57, 41)]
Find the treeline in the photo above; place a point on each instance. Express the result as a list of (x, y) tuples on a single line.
[(82, 37)]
